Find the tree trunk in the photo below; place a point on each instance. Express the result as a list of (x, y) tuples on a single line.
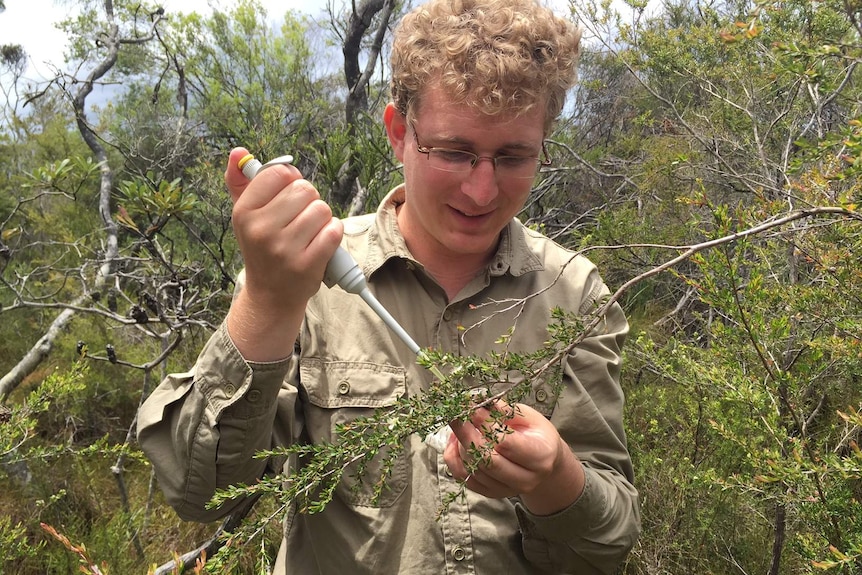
[(778, 539), (112, 41), (37, 353), (358, 79)]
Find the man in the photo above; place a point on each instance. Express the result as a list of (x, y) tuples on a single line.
[(476, 86)]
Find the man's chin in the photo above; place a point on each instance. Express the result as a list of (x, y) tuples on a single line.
[(467, 245)]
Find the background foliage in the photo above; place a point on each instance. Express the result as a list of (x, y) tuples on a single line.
[(708, 162)]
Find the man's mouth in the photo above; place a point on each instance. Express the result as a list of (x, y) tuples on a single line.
[(471, 214)]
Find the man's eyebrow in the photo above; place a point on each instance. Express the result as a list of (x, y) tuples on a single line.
[(465, 143)]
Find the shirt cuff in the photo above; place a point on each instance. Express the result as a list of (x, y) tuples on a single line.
[(225, 378), (580, 516)]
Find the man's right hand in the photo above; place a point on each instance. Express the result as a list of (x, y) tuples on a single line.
[(286, 234)]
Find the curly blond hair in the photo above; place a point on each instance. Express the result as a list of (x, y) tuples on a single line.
[(501, 57)]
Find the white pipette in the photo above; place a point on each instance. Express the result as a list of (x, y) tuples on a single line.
[(342, 269)]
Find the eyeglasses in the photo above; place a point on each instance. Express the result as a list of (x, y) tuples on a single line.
[(462, 161)]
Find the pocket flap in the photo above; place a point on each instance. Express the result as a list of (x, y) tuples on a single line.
[(332, 384)]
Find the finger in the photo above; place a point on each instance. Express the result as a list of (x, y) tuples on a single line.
[(472, 452), (491, 482), (328, 239), (532, 441), (269, 206), (233, 176), (458, 459), (492, 421), (273, 178), (498, 410), (304, 237), (466, 433), (453, 459), (321, 241), (488, 486)]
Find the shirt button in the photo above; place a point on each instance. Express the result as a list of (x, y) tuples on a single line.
[(253, 396), (229, 389), (541, 396), (343, 387), (458, 554), (447, 315)]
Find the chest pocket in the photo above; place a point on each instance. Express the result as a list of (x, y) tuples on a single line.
[(337, 393)]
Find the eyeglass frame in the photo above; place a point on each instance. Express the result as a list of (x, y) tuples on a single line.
[(542, 161)]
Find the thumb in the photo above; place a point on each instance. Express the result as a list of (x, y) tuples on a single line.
[(233, 176)]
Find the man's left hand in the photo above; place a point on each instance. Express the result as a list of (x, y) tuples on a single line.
[(529, 458)]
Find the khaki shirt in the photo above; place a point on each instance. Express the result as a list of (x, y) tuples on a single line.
[(201, 428)]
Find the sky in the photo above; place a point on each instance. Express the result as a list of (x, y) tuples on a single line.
[(30, 23)]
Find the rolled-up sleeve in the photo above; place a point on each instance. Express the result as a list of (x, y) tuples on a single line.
[(201, 429), (593, 535)]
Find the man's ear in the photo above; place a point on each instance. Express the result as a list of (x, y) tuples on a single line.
[(396, 129)]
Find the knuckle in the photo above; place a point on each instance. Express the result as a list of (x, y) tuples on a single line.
[(305, 189), (253, 230), (320, 209)]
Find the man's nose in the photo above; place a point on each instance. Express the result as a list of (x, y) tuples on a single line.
[(481, 185)]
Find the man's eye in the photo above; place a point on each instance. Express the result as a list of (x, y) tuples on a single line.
[(515, 161), (454, 156)]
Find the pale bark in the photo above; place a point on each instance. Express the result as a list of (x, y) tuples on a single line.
[(33, 358), (111, 40), (358, 79)]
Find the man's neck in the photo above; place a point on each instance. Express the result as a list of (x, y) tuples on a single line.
[(453, 276), (451, 270)]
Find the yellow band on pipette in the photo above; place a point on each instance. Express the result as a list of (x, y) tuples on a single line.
[(244, 160)]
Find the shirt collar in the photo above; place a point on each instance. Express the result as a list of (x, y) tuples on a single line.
[(385, 242)]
